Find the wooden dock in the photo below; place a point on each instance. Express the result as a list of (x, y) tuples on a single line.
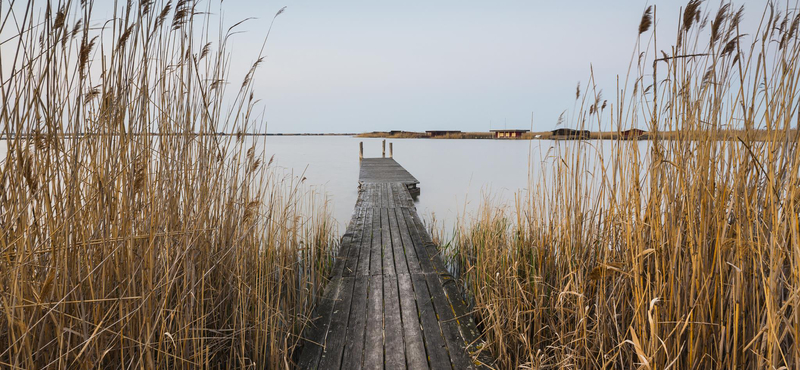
[(391, 304), (386, 171)]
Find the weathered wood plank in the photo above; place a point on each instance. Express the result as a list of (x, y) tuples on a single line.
[(335, 340), (376, 249), (357, 325), (435, 345), (373, 343), (466, 323), (412, 261), (318, 330), (366, 244), (430, 249), (432, 265), (400, 258), (416, 241), (385, 195), (393, 325), (386, 244), (412, 333), (455, 342), (349, 250), (390, 192), (378, 195)]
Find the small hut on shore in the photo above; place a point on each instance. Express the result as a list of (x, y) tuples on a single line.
[(503, 134)]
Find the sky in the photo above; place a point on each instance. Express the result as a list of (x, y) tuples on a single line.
[(357, 66)]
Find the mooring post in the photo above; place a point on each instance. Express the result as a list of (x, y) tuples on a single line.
[(391, 152), (383, 154), (360, 150)]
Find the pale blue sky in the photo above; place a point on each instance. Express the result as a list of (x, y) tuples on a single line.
[(357, 65), (354, 66)]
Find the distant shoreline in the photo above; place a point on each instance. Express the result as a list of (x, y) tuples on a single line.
[(758, 135), (69, 135)]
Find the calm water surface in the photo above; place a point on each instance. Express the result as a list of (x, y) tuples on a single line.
[(454, 175)]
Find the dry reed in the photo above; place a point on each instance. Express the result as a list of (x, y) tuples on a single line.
[(122, 249), (667, 254)]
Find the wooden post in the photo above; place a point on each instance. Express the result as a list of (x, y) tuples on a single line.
[(360, 150), (391, 151), (383, 154)]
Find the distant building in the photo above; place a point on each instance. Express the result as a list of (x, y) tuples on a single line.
[(632, 134), (502, 134), (570, 134), (436, 133)]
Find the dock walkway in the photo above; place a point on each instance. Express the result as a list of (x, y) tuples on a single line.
[(391, 304)]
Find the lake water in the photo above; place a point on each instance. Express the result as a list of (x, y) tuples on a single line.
[(454, 175)]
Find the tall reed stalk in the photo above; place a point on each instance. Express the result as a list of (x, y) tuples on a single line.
[(132, 236), (680, 253)]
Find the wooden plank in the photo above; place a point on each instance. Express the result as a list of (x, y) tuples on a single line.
[(399, 193), (357, 325), (370, 197), (435, 345), (385, 195), (386, 244), (349, 250), (378, 195), (348, 239), (354, 248), (394, 348), (405, 197), (448, 325), (412, 260), (419, 246), (366, 244), (433, 265), (466, 323), (390, 191), (431, 286), (400, 257), (373, 342), (342, 256), (393, 189), (335, 340), (376, 249), (382, 195), (318, 328), (430, 249), (412, 332)]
